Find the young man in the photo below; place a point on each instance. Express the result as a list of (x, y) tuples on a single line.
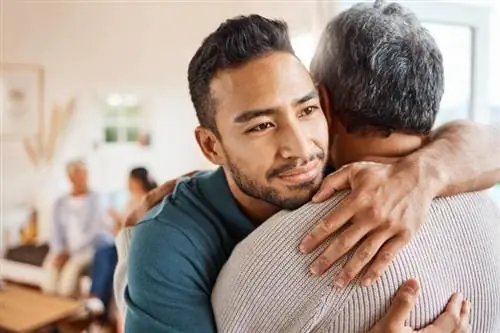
[(368, 55), (261, 121)]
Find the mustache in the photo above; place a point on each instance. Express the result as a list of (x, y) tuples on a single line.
[(290, 166)]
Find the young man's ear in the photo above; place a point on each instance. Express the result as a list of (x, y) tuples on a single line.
[(210, 145)]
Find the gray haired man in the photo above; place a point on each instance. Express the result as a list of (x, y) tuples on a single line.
[(381, 77), (77, 221)]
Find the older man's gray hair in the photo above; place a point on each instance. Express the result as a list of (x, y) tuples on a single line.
[(382, 69)]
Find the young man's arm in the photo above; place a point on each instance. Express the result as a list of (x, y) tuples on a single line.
[(388, 203), (166, 290)]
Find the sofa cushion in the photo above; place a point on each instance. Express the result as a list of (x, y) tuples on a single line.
[(28, 254)]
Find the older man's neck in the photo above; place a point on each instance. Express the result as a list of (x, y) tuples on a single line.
[(349, 148)]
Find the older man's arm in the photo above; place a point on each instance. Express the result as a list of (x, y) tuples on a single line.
[(389, 202)]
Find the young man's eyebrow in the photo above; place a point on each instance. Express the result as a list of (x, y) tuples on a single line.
[(251, 114)]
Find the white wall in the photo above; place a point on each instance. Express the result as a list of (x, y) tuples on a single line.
[(96, 48)]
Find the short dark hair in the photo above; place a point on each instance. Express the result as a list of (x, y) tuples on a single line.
[(235, 42), (383, 70)]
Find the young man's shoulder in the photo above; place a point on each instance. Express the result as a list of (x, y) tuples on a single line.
[(188, 221), (201, 205), (172, 266), (181, 209), (168, 227)]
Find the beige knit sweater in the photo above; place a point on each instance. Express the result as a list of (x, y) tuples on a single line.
[(266, 287)]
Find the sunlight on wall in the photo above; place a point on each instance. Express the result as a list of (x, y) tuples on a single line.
[(304, 48)]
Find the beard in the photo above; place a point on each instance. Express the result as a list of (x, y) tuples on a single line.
[(270, 194)]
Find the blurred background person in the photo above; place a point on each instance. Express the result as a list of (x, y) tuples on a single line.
[(105, 257), (77, 221), (139, 184)]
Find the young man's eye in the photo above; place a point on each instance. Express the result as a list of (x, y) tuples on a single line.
[(260, 127), (308, 110)]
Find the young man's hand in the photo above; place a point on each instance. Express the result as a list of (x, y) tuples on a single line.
[(387, 205), (454, 319)]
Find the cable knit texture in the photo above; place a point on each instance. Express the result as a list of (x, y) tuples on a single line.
[(266, 286)]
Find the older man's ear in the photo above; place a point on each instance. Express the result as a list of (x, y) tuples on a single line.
[(151, 199), (324, 100), (328, 111)]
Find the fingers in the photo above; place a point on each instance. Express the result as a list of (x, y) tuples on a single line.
[(135, 215), (464, 325), (365, 253), (131, 219), (334, 221), (336, 181), (402, 303), (338, 248), (383, 259), (153, 197), (454, 306), (451, 319)]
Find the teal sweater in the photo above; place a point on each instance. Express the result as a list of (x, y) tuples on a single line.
[(176, 254)]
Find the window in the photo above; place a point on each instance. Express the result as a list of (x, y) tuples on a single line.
[(495, 67), (455, 43), (495, 78), (122, 116)]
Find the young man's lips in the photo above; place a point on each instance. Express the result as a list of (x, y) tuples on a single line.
[(301, 174)]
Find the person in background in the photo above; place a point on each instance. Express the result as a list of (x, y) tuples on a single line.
[(105, 258), (78, 220), (139, 184)]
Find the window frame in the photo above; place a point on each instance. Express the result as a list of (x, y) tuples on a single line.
[(122, 122)]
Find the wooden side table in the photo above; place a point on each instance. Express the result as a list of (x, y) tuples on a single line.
[(27, 310)]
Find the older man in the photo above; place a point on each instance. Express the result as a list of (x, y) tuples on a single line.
[(382, 76), (262, 122)]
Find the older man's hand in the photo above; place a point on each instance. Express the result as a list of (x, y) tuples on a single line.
[(454, 319), (386, 206)]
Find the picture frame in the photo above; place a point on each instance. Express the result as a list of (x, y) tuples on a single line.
[(22, 101)]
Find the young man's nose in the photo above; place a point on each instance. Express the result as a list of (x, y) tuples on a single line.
[(295, 143)]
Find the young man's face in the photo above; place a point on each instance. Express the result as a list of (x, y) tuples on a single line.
[(273, 134)]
